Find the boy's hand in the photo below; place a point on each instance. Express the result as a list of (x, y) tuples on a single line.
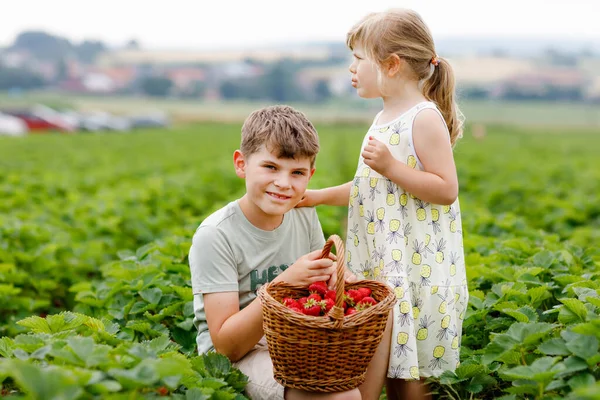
[(308, 269), (349, 277), (310, 199)]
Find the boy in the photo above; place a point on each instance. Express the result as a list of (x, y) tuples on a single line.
[(256, 239)]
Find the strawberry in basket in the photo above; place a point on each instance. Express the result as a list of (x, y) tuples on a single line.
[(321, 300)]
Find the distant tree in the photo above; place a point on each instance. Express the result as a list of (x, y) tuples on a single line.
[(43, 45), (322, 92), (133, 44), (194, 90), (89, 50), (560, 58), (242, 89), (156, 86), (280, 82), (62, 70), (17, 78)]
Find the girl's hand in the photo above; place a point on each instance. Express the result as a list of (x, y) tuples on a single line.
[(377, 156), (310, 199)]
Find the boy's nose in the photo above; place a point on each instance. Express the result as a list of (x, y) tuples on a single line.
[(282, 182)]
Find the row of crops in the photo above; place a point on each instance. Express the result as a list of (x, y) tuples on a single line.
[(95, 295)]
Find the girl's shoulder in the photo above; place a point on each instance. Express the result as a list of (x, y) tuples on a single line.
[(409, 114)]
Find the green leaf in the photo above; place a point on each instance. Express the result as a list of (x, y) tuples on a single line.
[(543, 259), (576, 307), (142, 375), (537, 295), (573, 364), (217, 365), (581, 380), (583, 346), (554, 347), (523, 314), (196, 394), (36, 324), (6, 347), (82, 347), (152, 295), (104, 387), (44, 383)]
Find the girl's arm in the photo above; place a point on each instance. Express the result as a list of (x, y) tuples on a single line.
[(332, 196), (438, 183)]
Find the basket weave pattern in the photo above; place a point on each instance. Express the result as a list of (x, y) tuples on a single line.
[(329, 353)]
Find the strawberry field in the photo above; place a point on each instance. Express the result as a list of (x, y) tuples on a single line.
[(95, 296)]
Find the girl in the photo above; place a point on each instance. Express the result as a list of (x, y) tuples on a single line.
[(404, 224)]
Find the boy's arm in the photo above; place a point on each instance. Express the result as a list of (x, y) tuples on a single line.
[(233, 332), (214, 273)]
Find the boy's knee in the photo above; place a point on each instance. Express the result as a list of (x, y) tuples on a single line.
[(353, 394)]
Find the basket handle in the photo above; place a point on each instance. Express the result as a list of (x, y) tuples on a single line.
[(337, 311)]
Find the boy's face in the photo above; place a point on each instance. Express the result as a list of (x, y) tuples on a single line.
[(273, 185)]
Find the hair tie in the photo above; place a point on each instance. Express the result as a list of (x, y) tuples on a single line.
[(435, 61)]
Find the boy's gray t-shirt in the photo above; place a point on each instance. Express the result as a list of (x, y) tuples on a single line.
[(229, 254)]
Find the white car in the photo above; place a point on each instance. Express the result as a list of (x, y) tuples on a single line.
[(12, 126)]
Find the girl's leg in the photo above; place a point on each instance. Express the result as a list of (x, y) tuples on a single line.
[(377, 369), (400, 389), (295, 394)]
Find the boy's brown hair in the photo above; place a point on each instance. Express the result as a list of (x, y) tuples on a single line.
[(284, 131)]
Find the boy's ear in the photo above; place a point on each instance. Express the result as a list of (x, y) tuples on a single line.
[(239, 162), (312, 172)]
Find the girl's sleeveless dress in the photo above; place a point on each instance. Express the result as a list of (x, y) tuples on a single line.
[(416, 247)]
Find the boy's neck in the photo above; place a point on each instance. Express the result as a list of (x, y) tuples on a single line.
[(257, 217)]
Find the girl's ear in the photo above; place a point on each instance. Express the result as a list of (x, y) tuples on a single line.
[(239, 162), (394, 65)]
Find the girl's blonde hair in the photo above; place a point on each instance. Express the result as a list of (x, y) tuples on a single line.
[(404, 33)]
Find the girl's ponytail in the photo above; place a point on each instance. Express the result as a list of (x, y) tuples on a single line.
[(440, 88)]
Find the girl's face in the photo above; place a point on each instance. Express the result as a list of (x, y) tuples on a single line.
[(364, 75)]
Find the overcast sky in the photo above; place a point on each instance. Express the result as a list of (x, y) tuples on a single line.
[(197, 24)]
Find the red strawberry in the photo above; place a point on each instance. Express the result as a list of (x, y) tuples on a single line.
[(302, 301), (350, 311), (314, 310), (327, 304), (312, 307), (318, 287), (364, 291), (289, 302), (365, 303), (162, 391), (297, 309), (355, 296), (368, 300), (315, 297), (330, 294)]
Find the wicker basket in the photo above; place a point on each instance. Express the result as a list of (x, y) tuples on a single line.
[(329, 353)]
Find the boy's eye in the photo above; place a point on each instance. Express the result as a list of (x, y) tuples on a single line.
[(270, 166), (298, 172)]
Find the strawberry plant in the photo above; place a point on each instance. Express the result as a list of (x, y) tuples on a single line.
[(95, 294)]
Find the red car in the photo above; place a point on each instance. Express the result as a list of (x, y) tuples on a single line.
[(39, 124)]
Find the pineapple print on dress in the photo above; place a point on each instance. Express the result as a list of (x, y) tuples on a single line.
[(396, 132), (402, 347), (423, 331), (396, 264)]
